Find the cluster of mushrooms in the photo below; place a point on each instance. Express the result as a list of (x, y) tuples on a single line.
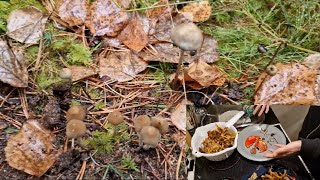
[(149, 130), (76, 128)]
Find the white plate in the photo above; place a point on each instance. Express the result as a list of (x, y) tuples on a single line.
[(276, 138)]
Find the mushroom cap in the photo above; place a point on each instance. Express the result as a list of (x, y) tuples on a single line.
[(187, 36), (76, 112), (115, 118), (75, 128), (160, 123), (65, 73), (141, 121), (272, 70), (150, 135)]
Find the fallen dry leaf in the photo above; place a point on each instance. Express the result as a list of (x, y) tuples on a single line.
[(200, 75), (12, 66), (81, 72), (205, 74), (74, 12), (134, 35), (26, 25), (160, 13), (31, 150), (121, 66), (198, 11), (313, 62), (166, 52), (163, 28), (106, 18), (111, 41), (124, 3), (178, 116), (293, 84)]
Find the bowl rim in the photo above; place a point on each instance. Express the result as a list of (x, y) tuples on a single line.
[(197, 153)]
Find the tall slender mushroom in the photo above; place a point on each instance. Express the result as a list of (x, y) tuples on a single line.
[(115, 118), (188, 37), (75, 129)]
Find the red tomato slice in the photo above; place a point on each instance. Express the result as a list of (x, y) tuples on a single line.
[(251, 140)]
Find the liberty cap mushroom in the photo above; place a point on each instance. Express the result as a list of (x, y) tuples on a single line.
[(150, 137), (115, 118), (160, 123), (75, 129), (141, 121), (76, 112), (188, 37), (65, 73)]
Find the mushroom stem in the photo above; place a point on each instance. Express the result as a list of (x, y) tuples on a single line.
[(114, 130), (175, 80), (140, 139), (72, 143)]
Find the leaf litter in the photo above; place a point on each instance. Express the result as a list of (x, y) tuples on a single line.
[(74, 12), (13, 69), (31, 149), (197, 11), (26, 25), (121, 66), (293, 84), (106, 18)]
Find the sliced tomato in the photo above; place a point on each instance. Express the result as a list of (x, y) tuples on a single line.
[(251, 140), (261, 145)]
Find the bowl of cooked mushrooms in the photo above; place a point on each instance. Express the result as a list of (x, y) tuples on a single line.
[(216, 141)]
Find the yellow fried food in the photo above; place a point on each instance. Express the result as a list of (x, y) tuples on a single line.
[(218, 140), (272, 175)]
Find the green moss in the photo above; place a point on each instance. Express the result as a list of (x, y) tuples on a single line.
[(15, 4), (104, 141), (5, 10), (94, 93), (74, 102), (48, 74), (99, 105), (75, 53), (128, 162), (31, 54)]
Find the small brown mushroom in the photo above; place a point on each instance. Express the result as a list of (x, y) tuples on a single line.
[(160, 123), (141, 121), (75, 129), (115, 118), (65, 73), (150, 137), (76, 112), (271, 70)]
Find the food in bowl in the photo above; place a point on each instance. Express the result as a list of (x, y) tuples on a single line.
[(258, 143), (218, 140)]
